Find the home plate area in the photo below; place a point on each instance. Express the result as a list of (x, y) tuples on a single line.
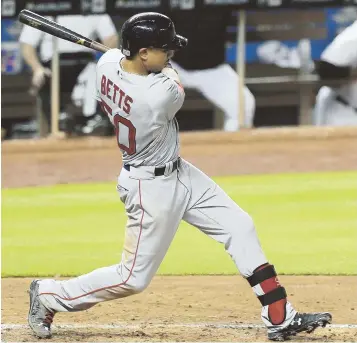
[(187, 309)]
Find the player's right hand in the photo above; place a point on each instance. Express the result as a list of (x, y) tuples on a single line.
[(39, 75)]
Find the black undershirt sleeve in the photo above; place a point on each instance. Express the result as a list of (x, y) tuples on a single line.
[(328, 71)]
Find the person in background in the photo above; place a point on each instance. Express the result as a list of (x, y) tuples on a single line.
[(37, 51), (202, 65), (337, 106)]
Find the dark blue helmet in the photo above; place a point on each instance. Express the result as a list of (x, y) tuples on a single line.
[(149, 30)]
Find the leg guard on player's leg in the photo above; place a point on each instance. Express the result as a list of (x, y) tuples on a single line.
[(278, 314)]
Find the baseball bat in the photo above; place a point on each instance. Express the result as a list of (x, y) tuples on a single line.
[(40, 23)]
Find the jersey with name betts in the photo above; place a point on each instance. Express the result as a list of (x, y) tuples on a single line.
[(142, 110)]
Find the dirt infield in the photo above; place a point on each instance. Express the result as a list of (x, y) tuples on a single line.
[(174, 309), (44, 162), (190, 308)]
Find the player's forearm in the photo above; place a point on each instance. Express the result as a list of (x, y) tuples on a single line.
[(111, 41), (171, 73), (30, 56)]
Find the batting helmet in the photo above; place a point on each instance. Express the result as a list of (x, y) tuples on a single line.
[(149, 30)]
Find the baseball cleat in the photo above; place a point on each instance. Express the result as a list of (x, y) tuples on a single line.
[(302, 322), (39, 317)]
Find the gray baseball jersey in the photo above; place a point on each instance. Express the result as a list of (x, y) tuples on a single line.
[(142, 110)]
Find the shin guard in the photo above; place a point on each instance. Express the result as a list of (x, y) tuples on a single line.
[(266, 286)]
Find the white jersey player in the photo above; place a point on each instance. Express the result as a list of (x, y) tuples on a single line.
[(202, 65), (220, 86), (141, 95), (338, 106)]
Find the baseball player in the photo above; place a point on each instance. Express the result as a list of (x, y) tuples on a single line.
[(202, 65), (141, 94), (338, 106), (37, 51), (219, 85)]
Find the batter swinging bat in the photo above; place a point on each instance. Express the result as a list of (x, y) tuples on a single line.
[(40, 23)]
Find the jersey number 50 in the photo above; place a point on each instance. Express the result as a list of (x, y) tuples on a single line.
[(117, 120)]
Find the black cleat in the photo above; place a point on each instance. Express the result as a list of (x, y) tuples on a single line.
[(39, 317), (302, 322)]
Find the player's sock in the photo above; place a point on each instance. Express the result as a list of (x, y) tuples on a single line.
[(271, 294)]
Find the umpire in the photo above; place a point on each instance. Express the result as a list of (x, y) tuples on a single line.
[(37, 51)]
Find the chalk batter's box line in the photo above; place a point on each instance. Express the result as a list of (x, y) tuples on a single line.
[(163, 325)]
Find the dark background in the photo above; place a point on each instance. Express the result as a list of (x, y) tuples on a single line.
[(211, 30)]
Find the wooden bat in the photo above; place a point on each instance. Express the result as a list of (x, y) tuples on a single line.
[(40, 23)]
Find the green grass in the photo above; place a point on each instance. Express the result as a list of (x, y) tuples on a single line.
[(307, 224)]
